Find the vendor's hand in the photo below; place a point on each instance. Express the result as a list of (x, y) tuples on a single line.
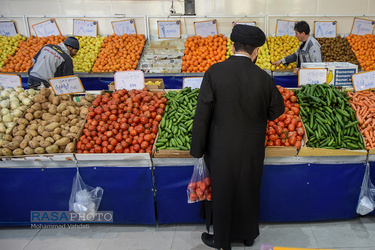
[(295, 71), (277, 63)]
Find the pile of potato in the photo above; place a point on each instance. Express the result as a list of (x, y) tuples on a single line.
[(49, 125)]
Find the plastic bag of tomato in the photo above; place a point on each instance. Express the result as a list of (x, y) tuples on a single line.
[(286, 130), (123, 122)]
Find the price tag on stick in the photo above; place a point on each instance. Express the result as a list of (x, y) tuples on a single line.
[(312, 76), (66, 85), (364, 81), (10, 81), (133, 79)]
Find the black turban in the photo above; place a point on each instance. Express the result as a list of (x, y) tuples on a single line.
[(248, 35)]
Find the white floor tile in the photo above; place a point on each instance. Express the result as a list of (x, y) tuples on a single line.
[(286, 234), (138, 238), (69, 238), (16, 237), (340, 234)]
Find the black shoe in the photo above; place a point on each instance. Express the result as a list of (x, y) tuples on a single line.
[(248, 243), (208, 240)]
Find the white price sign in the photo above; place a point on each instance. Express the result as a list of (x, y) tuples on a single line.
[(285, 27), (325, 29), (10, 81), (134, 79), (124, 27), (66, 85), (192, 82), (85, 27), (312, 76), (7, 28), (362, 26), (364, 81), (46, 28), (206, 28), (169, 29)]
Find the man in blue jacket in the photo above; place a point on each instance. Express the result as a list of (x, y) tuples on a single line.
[(53, 61)]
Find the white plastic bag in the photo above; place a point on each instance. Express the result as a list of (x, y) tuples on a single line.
[(366, 199), (199, 188), (84, 200)]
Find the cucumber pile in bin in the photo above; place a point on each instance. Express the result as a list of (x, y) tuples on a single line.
[(177, 123), (329, 120)]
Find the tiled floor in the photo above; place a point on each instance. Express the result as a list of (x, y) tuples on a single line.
[(356, 234)]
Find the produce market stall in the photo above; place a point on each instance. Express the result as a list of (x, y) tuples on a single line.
[(293, 189), (45, 183)]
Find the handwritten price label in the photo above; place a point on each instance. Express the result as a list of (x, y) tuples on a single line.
[(124, 27), (66, 85), (362, 26), (325, 29), (7, 28), (205, 28), (129, 80), (312, 76), (364, 81), (169, 29), (46, 28), (192, 82), (10, 81), (284, 27), (85, 27)]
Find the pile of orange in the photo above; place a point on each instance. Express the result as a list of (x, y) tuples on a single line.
[(21, 61), (119, 53), (364, 49), (202, 52)]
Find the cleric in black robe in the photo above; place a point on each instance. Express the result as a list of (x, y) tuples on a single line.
[(235, 101)]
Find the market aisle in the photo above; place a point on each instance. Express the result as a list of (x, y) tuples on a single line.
[(356, 234)]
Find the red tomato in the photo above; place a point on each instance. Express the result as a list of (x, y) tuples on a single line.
[(277, 142), (298, 144), (292, 140), (137, 147), (119, 149), (270, 143), (300, 131), (272, 137), (291, 127), (144, 144)]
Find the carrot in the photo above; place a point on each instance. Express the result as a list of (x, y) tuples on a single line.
[(371, 109), (368, 138), (367, 122)]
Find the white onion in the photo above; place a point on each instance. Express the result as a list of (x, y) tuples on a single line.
[(17, 113), (5, 103), (14, 105), (5, 111), (31, 91), (10, 124), (8, 118), (2, 128), (13, 95), (19, 89), (26, 101), (22, 96), (5, 94)]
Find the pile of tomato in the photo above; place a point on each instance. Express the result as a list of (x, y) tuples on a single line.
[(122, 122), (287, 130)]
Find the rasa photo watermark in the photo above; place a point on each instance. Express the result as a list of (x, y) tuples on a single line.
[(70, 217)]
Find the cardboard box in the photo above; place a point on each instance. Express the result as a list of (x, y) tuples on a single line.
[(339, 73), (111, 86), (154, 86)]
